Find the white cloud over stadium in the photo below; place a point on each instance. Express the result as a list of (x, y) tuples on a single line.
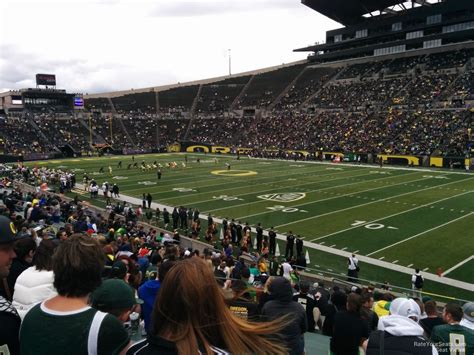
[(96, 46)]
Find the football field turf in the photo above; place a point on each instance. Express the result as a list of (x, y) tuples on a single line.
[(401, 217)]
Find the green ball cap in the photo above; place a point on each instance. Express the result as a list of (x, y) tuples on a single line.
[(113, 294)]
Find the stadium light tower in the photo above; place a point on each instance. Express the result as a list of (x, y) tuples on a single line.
[(90, 129), (110, 127), (230, 62)]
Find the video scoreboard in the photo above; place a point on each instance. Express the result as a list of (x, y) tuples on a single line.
[(46, 79)]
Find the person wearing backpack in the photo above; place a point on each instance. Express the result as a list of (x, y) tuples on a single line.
[(417, 281)]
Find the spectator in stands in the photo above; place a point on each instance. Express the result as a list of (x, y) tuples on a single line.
[(35, 284), (77, 266), (399, 332), (307, 301), (185, 322), (367, 300), (453, 338), (148, 292), (338, 303), (350, 330), (24, 250), (241, 303), (9, 319), (432, 319), (283, 305), (115, 297)]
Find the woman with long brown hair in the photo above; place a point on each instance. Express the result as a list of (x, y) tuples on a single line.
[(191, 317)]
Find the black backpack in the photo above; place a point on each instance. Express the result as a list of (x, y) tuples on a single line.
[(419, 281)]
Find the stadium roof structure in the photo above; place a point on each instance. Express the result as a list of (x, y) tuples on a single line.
[(351, 12)]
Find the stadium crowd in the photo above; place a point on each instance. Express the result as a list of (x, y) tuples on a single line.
[(413, 105)]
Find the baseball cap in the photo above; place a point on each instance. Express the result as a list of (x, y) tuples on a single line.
[(113, 294), (406, 308), (119, 270), (8, 233), (468, 310)]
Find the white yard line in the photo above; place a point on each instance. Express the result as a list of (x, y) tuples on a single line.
[(365, 204), (417, 235), (292, 186), (458, 265), (332, 198), (262, 176), (269, 190), (392, 215)]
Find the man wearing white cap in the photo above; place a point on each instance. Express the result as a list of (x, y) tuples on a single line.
[(399, 333), (468, 319)]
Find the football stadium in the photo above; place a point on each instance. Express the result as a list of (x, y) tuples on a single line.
[(346, 174)]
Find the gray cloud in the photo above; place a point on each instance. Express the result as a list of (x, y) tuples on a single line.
[(205, 8), (18, 69)]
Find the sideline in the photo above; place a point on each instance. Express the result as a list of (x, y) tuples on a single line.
[(387, 265)]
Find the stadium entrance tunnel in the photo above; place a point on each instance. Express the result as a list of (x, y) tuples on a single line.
[(234, 172), (68, 151)]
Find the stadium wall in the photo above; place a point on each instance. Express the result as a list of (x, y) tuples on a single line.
[(395, 159)]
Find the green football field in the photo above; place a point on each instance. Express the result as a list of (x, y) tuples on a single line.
[(392, 218)]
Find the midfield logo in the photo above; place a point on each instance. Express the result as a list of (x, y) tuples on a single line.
[(283, 197)]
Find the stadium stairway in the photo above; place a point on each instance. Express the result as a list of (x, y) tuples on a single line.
[(192, 113), (112, 106), (98, 138), (157, 102), (242, 93), (286, 90), (316, 343), (321, 88), (124, 129), (129, 138), (460, 73), (40, 132)]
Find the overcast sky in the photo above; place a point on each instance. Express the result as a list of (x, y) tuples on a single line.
[(106, 45)]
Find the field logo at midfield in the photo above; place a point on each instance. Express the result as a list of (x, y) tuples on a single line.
[(146, 183), (234, 172), (283, 197)]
